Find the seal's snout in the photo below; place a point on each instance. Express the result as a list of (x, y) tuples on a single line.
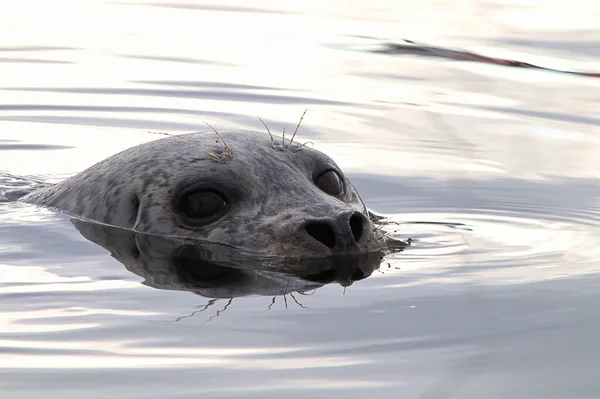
[(340, 233)]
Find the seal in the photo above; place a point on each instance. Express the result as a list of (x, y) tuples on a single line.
[(237, 188)]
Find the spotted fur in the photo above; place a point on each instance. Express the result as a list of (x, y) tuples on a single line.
[(269, 186)]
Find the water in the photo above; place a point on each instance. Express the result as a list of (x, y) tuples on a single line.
[(501, 306)]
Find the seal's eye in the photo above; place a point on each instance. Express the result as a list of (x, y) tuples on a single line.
[(201, 204), (329, 182)]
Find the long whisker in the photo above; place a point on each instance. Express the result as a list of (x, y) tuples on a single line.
[(268, 131), (227, 149), (298, 126)]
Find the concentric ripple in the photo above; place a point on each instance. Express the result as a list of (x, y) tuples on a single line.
[(511, 241)]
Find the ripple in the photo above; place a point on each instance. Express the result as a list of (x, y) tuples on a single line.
[(496, 247), (208, 7), (36, 48), (199, 94), (551, 116), (33, 61), (185, 60), (198, 83), (14, 147)]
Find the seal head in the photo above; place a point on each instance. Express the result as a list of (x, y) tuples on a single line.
[(236, 188)]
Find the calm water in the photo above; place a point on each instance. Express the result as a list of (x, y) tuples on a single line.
[(504, 306)]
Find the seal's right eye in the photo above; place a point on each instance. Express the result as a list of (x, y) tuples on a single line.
[(201, 204), (330, 183)]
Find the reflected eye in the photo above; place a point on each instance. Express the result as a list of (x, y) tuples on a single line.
[(201, 204), (330, 182)]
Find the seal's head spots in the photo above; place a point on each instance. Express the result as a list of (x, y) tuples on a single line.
[(330, 183), (201, 206), (293, 203)]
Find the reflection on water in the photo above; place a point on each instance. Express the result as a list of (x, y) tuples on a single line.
[(218, 271), (491, 171)]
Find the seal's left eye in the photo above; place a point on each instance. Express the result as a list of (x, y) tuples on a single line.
[(330, 182), (201, 204)]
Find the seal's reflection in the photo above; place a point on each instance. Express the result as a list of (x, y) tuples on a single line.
[(218, 271)]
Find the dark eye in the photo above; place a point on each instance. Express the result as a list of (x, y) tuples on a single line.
[(330, 182), (201, 204)]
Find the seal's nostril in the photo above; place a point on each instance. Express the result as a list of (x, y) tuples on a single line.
[(322, 233), (356, 225)]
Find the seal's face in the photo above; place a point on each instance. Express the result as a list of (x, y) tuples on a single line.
[(251, 194)]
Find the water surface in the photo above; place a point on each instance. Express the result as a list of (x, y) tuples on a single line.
[(503, 305)]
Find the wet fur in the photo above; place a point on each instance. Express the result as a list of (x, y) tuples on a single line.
[(269, 186)]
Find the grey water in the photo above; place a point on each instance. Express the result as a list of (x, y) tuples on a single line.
[(491, 171)]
